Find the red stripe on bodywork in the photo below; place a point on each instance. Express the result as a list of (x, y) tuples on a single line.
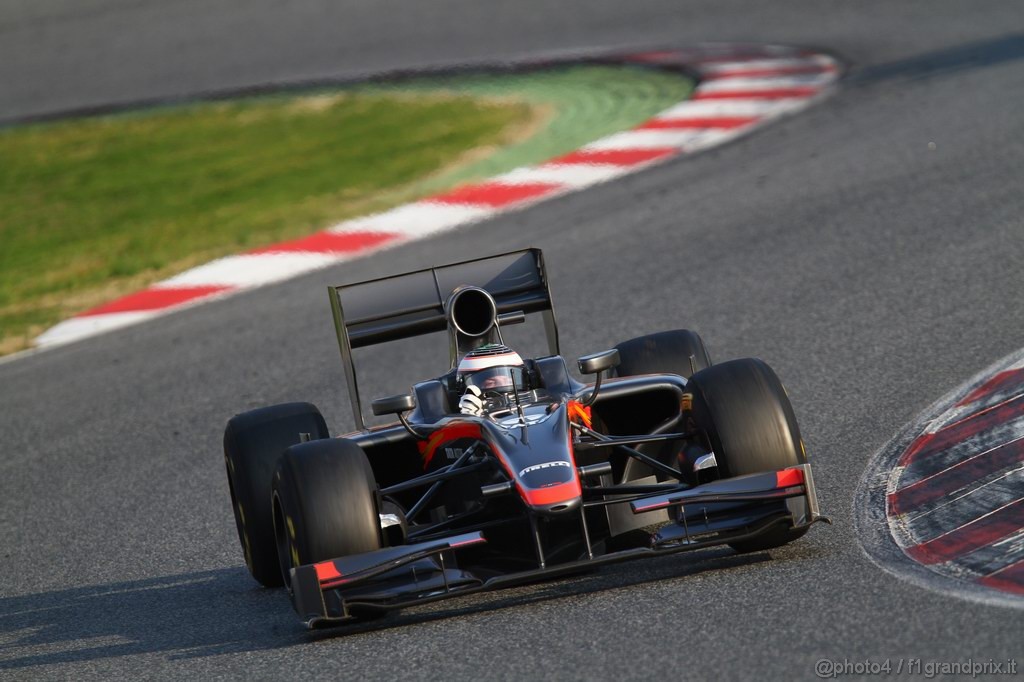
[(563, 492), (957, 432), (446, 434), (495, 194), (463, 543), (963, 473), (614, 157), (1008, 579), (326, 571), (772, 93), (155, 299), (789, 477), (970, 536), (727, 122), (1000, 382), (328, 242)]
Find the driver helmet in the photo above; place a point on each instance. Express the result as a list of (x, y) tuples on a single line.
[(492, 368)]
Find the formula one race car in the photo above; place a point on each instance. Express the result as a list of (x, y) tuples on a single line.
[(505, 470)]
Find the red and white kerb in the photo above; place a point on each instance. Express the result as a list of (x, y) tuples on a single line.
[(740, 88)]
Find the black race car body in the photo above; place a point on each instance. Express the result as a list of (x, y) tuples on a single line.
[(553, 479)]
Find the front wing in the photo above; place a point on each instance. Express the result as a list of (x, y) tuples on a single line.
[(723, 511)]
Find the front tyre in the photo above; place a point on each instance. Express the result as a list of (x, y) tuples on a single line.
[(324, 504), (746, 414), (253, 442)]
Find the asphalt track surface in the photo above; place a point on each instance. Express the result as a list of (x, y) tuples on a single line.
[(873, 270)]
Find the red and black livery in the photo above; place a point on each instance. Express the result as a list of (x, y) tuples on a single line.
[(663, 452)]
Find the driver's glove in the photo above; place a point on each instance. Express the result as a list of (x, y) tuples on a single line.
[(471, 401)]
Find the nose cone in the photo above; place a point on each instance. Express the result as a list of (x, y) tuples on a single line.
[(552, 486), (541, 463), (565, 506)]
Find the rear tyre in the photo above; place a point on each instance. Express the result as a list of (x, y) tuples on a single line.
[(745, 412), (663, 353), (253, 442), (324, 504)]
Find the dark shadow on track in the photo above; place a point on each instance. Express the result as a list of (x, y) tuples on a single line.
[(207, 613), (968, 57), (221, 608)]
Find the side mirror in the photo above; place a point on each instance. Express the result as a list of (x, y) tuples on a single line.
[(395, 404), (596, 364), (599, 362)]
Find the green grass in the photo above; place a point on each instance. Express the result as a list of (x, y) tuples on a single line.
[(94, 208), (87, 206), (589, 102)]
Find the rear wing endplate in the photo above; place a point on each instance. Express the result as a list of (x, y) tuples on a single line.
[(412, 304)]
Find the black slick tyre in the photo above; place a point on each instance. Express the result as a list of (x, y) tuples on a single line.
[(324, 504), (743, 408), (253, 442), (666, 352)]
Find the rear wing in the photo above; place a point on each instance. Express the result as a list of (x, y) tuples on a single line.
[(404, 306)]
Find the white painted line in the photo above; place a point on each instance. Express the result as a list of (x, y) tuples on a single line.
[(892, 480), (954, 497), (969, 410), (252, 270), (1000, 508), (710, 108), (417, 220), (714, 137), (80, 327), (773, 83), (1018, 435), (1012, 544), (575, 175), (645, 139), (768, 64), (760, 84)]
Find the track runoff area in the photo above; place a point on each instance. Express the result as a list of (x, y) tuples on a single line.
[(740, 87), (943, 504)]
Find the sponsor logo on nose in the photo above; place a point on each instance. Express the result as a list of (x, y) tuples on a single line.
[(545, 465)]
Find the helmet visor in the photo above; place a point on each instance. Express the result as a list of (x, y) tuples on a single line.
[(497, 379)]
